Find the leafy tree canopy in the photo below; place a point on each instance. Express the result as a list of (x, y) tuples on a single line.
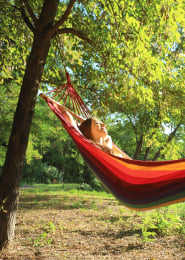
[(123, 56)]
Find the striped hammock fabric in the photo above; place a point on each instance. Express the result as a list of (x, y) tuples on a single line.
[(139, 185)]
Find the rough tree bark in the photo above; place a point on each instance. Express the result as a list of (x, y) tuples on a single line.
[(43, 29), (10, 181)]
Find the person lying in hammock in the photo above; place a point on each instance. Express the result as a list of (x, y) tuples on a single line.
[(95, 130), (91, 128)]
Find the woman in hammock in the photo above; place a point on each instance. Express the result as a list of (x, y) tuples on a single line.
[(95, 130)]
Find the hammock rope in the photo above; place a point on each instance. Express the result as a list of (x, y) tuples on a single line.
[(68, 95), (139, 185)]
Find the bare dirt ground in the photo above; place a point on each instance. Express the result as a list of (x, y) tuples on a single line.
[(61, 228)]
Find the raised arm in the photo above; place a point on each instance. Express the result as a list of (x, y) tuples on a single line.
[(81, 119)]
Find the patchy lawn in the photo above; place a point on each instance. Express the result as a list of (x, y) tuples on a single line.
[(55, 224)]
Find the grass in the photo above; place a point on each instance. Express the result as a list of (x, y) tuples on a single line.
[(64, 222), (168, 220), (58, 189), (63, 196)]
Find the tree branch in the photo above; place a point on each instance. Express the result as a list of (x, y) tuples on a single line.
[(13, 6), (23, 13), (30, 11), (26, 19), (64, 17), (80, 35), (170, 137)]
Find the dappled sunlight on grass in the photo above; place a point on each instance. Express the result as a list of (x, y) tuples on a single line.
[(62, 197), (56, 222)]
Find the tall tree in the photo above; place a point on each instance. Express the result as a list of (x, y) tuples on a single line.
[(44, 26)]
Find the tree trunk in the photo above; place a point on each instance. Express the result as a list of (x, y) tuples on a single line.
[(147, 151), (44, 29), (170, 137), (138, 147), (11, 177)]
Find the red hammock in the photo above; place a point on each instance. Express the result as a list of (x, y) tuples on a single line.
[(139, 185)]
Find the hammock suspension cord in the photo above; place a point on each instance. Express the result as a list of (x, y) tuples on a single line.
[(71, 98)]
